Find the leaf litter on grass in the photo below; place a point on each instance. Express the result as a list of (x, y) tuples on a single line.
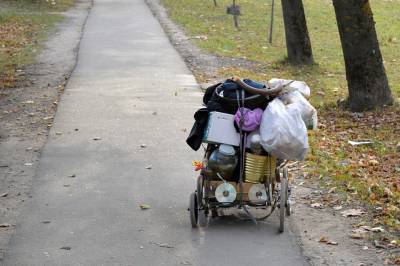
[(369, 173), (24, 25)]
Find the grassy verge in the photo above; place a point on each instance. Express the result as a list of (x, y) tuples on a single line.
[(368, 173), (327, 76), (24, 25)]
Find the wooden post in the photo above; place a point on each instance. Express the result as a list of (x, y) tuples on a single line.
[(235, 15), (271, 26)]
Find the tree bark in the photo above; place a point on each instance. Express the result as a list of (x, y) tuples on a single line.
[(297, 39), (366, 76)]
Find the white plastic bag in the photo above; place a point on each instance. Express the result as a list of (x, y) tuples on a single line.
[(283, 132), (292, 85), (295, 102)]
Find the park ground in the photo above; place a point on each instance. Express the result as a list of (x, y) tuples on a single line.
[(24, 25), (365, 176)]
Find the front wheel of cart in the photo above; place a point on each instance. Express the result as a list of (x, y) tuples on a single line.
[(288, 206), (193, 209), (283, 207)]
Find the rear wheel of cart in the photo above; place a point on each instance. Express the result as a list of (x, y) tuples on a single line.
[(193, 209), (283, 200), (199, 191)]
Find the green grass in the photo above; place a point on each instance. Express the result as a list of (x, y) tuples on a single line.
[(24, 25), (29, 6), (250, 42)]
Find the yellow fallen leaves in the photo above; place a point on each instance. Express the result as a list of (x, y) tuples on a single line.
[(144, 206), (326, 240)]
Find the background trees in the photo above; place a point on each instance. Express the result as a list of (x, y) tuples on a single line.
[(366, 77), (297, 39)]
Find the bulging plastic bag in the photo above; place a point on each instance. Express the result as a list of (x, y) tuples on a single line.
[(296, 103), (283, 132), (292, 85)]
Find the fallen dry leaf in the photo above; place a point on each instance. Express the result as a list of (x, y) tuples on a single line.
[(5, 225), (352, 212), (356, 236), (144, 206), (332, 190), (377, 229), (161, 245), (316, 205), (323, 239)]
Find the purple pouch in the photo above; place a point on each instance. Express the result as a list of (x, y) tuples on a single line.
[(252, 118)]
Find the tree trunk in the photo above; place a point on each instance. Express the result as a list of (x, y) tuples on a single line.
[(297, 40), (366, 76)]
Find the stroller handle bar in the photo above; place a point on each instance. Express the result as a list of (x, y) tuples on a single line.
[(266, 92)]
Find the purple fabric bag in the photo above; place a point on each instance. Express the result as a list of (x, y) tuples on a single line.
[(252, 118)]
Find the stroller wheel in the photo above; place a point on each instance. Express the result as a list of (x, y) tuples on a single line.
[(199, 191), (288, 206), (193, 209), (283, 200)]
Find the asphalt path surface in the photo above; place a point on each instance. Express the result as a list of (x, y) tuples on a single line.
[(130, 88)]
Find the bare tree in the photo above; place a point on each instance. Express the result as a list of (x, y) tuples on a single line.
[(366, 75), (297, 39)]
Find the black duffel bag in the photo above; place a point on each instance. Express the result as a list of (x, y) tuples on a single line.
[(223, 97)]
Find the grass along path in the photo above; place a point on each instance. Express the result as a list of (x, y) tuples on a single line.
[(24, 25), (365, 174), (218, 36)]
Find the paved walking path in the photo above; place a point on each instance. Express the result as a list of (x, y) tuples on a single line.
[(130, 87)]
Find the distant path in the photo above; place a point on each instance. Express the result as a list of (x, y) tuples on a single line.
[(130, 87)]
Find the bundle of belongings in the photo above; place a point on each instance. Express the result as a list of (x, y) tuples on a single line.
[(236, 120)]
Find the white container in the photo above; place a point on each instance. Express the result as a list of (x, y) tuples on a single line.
[(220, 129)]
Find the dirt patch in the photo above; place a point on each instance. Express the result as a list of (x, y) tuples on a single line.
[(310, 224), (26, 114)]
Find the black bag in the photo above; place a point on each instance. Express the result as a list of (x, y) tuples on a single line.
[(227, 103), (224, 97), (196, 135)]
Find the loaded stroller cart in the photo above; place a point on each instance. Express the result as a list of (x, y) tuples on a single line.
[(248, 138)]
